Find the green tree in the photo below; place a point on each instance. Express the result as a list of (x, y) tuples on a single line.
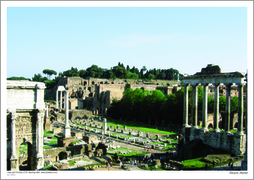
[(49, 72), (82, 73), (71, 72), (17, 78), (38, 77)]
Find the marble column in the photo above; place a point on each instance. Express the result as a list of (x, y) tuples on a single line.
[(227, 119), (240, 109), (105, 125), (195, 105), (61, 99), (204, 112), (67, 130), (185, 106), (56, 99), (216, 108), (14, 160), (39, 157), (64, 100)]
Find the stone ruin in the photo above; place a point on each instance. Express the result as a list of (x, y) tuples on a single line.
[(235, 143)]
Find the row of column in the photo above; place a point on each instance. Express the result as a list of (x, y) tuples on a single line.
[(67, 129), (216, 107)]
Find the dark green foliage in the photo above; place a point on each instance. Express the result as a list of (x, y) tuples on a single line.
[(38, 77), (49, 72), (71, 72), (17, 78)]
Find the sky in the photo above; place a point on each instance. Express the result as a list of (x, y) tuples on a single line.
[(183, 38)]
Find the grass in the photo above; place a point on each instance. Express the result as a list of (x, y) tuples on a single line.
[(132, 152), (143, 129), (72, 163), (195, 164), (50, 167), (48, 132), (200, 163)]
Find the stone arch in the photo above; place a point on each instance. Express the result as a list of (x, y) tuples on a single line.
[(25, 124), (85, 83), (62, 155), (101, 82), (93, 83), (210, 125), (236, 125), (28, 162), (112, 83)]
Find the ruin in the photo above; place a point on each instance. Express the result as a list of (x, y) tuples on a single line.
[(95, 94), (25, 116), (235, 143)]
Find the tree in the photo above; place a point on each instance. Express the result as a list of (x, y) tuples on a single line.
[(18, 78), (120, 72), (128, 68), (82, 73), (71, 73), (38, 77), (49, 72)]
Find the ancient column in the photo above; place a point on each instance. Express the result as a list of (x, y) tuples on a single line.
[(105, 125), (185, 106), (56, 99), (227, 119), (67, 129), (39, 157), (195, 105), (64, 99), (216, 107), (204, 112), (61, 103), (240, 109), (14, 160)]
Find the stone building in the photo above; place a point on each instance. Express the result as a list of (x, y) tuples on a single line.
[(25, 117), (96, 94)]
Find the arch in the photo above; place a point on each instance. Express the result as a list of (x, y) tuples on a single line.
[(101, 82), (85, 83), (26, 151), (236, 125), (210, 125), (62, 155), (92, 82), (112, 83)]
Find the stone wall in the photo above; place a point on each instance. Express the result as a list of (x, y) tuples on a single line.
[(233, 143), (80, 114)]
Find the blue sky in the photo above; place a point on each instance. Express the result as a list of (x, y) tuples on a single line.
[(183, 38)]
